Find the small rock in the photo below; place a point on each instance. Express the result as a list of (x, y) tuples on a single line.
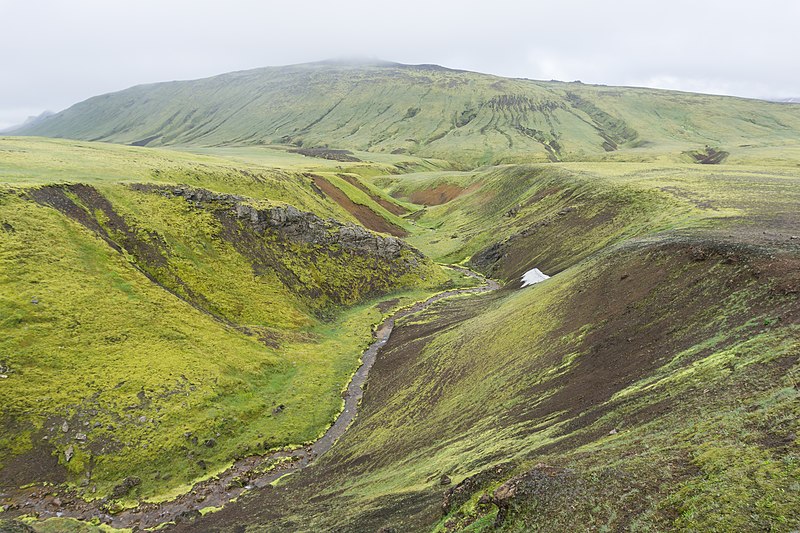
[(123, 488), (279, 409), (445, 480), (210, 443), (65, 427), (613, 432), (69, 452), (35, 301), (80, 436), (794, 237), (142, 419), (57, 502)]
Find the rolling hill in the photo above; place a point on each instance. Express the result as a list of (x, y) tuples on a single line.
[(430, 111)]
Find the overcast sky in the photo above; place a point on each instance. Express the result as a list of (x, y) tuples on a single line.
[(54, 53)]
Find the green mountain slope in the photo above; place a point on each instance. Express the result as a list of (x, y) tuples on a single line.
[(431, 111)]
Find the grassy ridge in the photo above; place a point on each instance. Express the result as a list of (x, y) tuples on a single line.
[(430, 111)]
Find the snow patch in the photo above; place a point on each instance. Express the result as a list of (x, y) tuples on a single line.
[(533, 276)]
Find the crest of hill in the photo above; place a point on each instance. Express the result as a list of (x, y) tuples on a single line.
[(431, 111)]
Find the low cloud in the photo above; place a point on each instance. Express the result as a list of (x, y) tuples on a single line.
[(64, 52)]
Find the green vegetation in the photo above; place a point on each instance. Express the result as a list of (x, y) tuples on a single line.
[(432, 112), (163, 315), (152, 337)]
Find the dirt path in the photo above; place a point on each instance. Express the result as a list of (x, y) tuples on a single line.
[(245, 474)]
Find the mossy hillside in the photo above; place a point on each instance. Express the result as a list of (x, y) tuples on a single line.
[(542, 204), (427, 111), (550, 216), (96, 344), (684, 358)]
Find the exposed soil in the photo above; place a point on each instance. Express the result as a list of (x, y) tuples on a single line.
[(708, 156), (369, 218), (37, 465), (245, 474), (345, 156), (393, 208), (441, 194)]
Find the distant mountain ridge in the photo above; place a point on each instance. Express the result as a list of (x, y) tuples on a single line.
[(424, 110), (30, 121)]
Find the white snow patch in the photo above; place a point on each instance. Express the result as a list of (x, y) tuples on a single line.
[(533, 276)]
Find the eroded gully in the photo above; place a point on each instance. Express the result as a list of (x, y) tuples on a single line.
[(245, 474)]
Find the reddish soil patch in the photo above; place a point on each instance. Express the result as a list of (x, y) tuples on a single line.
[(368, 218), (393, 208), (441, 194)]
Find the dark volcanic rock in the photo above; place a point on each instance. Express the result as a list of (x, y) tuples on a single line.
[(13, 526), (125, 487), (292, 224)]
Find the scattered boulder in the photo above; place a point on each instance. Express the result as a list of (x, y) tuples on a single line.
[(187, 516), (69, 453), (125, 487), (14, 526), (445, 480), (210, 443)]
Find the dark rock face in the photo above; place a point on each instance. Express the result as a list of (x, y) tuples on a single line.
[(125, 487), (294, 225), (542, 482), (456, 496)]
